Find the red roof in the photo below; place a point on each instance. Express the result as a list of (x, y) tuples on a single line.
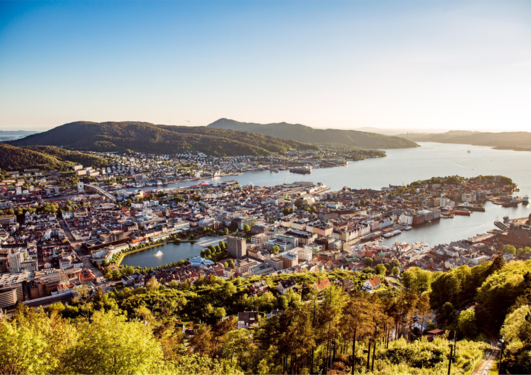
[(375, 281)]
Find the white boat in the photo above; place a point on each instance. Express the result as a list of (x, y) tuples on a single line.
[(159, 253), (408, 228)]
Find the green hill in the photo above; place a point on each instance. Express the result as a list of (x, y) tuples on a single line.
[(73, 156), (306, 134), (158, 139), (503, 140), (17, 158)]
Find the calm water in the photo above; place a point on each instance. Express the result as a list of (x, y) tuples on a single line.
[(171, 253), (400, 166)]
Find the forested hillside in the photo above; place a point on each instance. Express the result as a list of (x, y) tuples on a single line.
[(17, 158), (44, 157), (306, 134), (316, 332), (146, 137)]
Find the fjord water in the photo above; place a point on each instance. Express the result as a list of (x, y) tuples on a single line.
[(400, 166)]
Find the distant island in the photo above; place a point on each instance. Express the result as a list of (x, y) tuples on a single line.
[(518, 141), (306, 134), (159, 139), (8, 135)]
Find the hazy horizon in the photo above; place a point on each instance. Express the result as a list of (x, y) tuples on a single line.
[(453, 65)]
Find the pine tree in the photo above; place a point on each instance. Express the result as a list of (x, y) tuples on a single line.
[(498, 263)]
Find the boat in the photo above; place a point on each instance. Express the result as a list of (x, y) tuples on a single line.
[(469, 151), (525, 199), (275, 170), (159, 253), (463, 212), (512, 203), (408, 228), (301, 170)]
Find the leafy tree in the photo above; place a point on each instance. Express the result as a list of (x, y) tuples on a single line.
[(246, 228), (111, 345), (367, 261), (509, 249), (33, 342), (467, 323), (380, 269), (395, 271), (275, 249)]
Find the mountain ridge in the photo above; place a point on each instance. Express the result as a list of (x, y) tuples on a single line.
[(158, 139), (307, 134)]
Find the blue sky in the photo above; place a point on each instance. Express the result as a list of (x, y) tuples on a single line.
[(342, 64)]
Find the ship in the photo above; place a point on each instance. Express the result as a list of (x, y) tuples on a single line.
[(512, 203), (463, 212), (301, 170), (525, 199), (469, 151)]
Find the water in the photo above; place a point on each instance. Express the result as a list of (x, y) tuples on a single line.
[(171, 253), (403, 166)]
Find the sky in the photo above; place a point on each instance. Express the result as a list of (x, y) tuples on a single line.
[(328, 63)]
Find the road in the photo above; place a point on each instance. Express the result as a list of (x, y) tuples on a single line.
[(82, 254), (483, 367)]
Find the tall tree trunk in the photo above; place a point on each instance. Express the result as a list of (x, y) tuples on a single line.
[(373, 355), (354, 351), (369, 357)]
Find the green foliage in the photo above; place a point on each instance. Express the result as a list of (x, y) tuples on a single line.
[(159, 139), (501, 289), (380, 269), (467, 323)]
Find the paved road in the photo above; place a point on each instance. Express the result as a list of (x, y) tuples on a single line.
[(483, 368), (83, 255)]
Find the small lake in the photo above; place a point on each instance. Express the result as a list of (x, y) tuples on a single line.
[(171, 252)]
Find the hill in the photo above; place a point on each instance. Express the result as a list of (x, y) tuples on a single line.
[(72, 156), (14, 158), (17, 158), (158, 139), (503, 140), (306, 134)]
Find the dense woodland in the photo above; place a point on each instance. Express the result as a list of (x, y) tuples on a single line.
[(306, 134), (14, 158), (130, 331), (159, 139)]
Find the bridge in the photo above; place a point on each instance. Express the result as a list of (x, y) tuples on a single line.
[(103, 192)]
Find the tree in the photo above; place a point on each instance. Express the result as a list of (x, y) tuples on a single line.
[(498, 263), (509, 249), (34, 342), (467, 323), (220, 312), (275, 249), (226, 231), (423, 309), (246, 228), (395, 271), (152, 284), (367, 261), (109, 344), (380, 269)]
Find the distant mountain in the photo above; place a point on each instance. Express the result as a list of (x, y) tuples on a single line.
[(503, 140), (44, 157), (8, 135), (158, 139), (306, 134)]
